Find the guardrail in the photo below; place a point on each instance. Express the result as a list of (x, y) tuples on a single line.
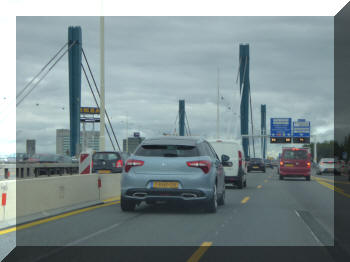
[(31, 170)]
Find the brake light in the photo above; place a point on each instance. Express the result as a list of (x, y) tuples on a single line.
[(308, 164), (281, 163), (119, 163), (239, 158), (202, 164), (131, 162)]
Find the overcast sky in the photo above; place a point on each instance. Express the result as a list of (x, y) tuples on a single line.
[(152, 62)]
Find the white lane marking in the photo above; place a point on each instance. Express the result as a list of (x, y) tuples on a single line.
[(92, 235), (312, 233)]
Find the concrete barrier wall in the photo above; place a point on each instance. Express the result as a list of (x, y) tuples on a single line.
[(110, 185), (41, 197)]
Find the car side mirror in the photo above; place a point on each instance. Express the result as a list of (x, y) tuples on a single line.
[(227, 163), (224, 158)]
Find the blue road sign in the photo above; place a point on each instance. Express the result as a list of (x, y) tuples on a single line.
[(301, 128), (281, 127)]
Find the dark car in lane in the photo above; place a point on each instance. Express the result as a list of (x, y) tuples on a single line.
[(256, 164), (107, 162), (174, 169)]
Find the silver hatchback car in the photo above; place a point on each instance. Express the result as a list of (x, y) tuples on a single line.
[(174, 169)]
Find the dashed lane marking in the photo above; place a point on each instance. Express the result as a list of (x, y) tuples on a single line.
[(200, 252), (245, 200)]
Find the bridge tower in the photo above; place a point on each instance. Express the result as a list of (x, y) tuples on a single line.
[(74, 64), (245, 94), (263, 131), (182, 113)]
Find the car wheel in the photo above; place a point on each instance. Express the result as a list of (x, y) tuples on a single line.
[(245, 183), (281, 177), (264, 170), (221, 200), (127, 205), (240, 184), (213, 203), (308, 178)]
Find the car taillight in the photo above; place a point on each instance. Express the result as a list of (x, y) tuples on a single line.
[(131, 162), (308, 164), (119, 163), (202, 164), (281, 163), (239, 158)]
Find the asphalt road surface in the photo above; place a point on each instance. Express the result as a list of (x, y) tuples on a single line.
[(268, 213)]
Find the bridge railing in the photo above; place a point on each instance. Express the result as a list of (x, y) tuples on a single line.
[(32, 170)]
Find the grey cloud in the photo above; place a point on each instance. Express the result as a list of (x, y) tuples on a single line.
[(152, 62)]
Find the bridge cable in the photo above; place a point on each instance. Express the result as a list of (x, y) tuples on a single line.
[(186, 130), (109, 121), (175, 123), (251, 116), (37, 83), (97, 104), (31, 81), (188, 126)]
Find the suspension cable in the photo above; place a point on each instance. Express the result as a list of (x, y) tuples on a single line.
[(37, 83), (175, 123), (251, 116), (97, 104), (109, 121), (42, 69), (188, 126)]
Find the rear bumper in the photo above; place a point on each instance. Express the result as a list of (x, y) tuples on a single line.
[(153, 195), (327, 170), (252, 168), (113, 170), (294, 173), (233, 179)]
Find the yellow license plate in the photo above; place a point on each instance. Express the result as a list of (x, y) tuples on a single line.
[(160, 184), (104, 171), (255, 167), (289, 165)]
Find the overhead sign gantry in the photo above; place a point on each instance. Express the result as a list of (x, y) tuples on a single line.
[(281, 130), (301, 131)]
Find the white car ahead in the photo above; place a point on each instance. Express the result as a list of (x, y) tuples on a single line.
[(328, 165), (236, 172)]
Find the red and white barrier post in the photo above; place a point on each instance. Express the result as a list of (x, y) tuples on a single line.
[(4, 197), (85, 160)]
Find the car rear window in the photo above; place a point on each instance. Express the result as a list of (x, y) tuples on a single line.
[(295, 155), (257, 160), (167, 151), (105, 156), (328, 160)]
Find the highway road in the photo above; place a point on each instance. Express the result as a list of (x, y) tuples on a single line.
[(269, 212)]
